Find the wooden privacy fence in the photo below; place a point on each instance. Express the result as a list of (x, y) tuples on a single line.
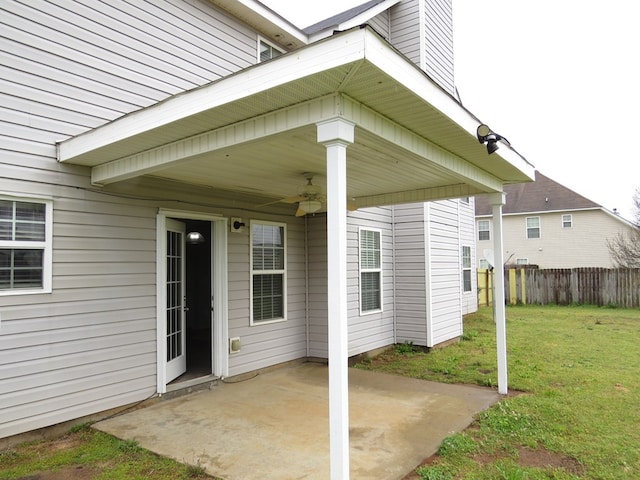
[(565, 286)]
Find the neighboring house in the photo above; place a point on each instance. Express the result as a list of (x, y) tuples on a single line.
[(128, 126), (550, 226)]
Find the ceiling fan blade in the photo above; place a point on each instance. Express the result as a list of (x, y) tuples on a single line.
[(300, 212), (297, 198)]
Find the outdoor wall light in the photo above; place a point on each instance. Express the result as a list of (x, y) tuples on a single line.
[(485, 135)]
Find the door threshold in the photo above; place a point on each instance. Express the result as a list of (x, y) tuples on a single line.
[(193, 384)]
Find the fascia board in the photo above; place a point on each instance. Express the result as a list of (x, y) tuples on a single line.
[(411, 77)]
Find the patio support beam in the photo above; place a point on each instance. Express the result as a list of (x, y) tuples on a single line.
[(497, 200), (336, 135)]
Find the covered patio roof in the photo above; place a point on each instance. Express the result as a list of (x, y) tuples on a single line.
[(255, 131), (368, 123)]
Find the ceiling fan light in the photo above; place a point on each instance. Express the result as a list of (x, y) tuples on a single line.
[(310, 206)]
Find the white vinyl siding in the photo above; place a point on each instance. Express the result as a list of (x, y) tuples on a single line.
[(445, 279), (422, 30), (268, 272), (430, 300), (370, 271), (466, 220), (90, 344), (411, 273), (25, 245)]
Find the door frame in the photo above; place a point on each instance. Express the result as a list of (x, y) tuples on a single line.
[(219, 292)]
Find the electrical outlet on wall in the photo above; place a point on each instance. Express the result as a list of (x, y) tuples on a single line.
[(234, 345)]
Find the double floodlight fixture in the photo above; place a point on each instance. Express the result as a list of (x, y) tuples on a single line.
[(485, 135)]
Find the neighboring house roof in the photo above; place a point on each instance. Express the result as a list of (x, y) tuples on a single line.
[(542, 195)]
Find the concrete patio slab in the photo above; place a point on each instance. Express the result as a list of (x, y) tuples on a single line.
[(275, 425)]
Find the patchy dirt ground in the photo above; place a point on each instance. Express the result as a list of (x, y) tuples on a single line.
[(538, 458), (77, 473)]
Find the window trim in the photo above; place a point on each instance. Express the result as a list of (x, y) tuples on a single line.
[(488, 230), (465, 269), (283, 272), (46, 246), (522, 261), (562, 221), (378, 270), (271, 44), (539, 227)]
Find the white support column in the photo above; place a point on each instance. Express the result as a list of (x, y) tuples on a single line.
[(497, 200), (336, 135)]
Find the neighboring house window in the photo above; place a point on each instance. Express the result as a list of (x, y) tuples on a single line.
[(25, 245), (268, 269), (465, 200), (267, 51), (483, 230), (466, 269), (567, 221), (484, 264), (370, 271), (533, 227), (522, 261)]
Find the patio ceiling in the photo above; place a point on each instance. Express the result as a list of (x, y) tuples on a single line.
[(255, 131)]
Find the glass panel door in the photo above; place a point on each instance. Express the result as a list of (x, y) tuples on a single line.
[(176, 357)]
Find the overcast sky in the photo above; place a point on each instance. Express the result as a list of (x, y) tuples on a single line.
[(560, 79)]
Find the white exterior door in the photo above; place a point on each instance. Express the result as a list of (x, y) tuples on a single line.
[(176, 355)]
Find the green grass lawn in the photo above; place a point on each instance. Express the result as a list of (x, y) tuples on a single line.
[(574, 375)]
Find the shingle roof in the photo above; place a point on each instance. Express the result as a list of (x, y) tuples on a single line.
[(340, 17), (542, 195)]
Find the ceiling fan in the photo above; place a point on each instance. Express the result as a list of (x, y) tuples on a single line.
[(310, 198)]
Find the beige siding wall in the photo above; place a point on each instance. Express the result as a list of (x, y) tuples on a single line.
[(582, 245)]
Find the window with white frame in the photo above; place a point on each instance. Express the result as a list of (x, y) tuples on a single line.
[(466, 268), (268, 272), (484, 230), (370, 271), (484, 263), (266, 51), (533, 227), (522, 261), (567, 221), (25, 245)]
